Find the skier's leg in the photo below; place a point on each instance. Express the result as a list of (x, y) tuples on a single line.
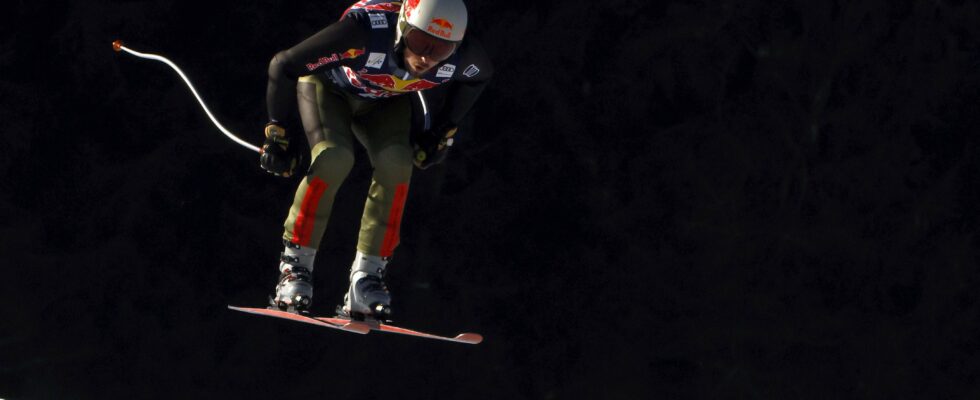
[(384, 132), (326, 120)]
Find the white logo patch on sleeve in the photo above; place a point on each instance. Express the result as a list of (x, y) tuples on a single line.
[(471, 71), (375, 60), (446, 71), (378, 21)]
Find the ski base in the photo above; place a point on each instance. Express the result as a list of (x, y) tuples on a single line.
[(359, 327)]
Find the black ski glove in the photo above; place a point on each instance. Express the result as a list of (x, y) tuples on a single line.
[(431, 146), (277, 158)]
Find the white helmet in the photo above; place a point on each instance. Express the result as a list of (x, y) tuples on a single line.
[(444, 19)]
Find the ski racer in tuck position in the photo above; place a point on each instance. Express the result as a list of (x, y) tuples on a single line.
[(351, 81)]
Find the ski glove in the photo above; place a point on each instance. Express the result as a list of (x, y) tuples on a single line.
[(276, 158), (431, 146)]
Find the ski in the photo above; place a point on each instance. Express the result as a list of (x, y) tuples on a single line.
[(360, 327), (469, 338), (344, 326)]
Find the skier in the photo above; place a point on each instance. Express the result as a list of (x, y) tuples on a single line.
[(350, 80)]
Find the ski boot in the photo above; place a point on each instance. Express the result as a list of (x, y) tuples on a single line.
[(294, 292), (368, 297)]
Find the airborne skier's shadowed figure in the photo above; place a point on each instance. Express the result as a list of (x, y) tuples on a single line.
[(350, 79)]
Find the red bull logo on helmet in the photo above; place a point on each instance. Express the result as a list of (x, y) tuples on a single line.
[(410, 6), (442, 23), (441, 27)]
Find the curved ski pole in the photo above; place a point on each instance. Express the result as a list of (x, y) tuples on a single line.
[(425, 111), (118, 46)]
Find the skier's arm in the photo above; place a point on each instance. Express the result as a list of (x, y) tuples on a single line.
[(312, 55), (474, 73)]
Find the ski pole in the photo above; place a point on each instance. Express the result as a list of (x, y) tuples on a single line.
[(118, 46), (425, 111)]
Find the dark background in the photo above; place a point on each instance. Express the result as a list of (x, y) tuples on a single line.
[(672, 199)]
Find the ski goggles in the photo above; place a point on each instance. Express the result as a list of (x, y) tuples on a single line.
[(428, 46)]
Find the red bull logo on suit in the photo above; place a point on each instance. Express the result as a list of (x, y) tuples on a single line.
[(349, 54), (394, 84)]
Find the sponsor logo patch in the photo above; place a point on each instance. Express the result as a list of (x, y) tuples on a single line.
[(389, 7), (446, 71), (471, 71), (378, 21), (349, 54), (321, 62), (375, 60), (392, 83)]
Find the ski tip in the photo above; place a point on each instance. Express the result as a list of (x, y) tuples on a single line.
[(471, 338)]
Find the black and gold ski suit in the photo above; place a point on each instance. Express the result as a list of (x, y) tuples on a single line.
[(351, 85)]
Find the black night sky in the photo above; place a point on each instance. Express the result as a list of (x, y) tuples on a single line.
[(653, 199)]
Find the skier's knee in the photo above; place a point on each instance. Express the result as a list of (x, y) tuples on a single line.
[(331, 163), (397, 156), (394, 163)]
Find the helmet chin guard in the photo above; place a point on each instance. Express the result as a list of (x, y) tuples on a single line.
[(443, 19)]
